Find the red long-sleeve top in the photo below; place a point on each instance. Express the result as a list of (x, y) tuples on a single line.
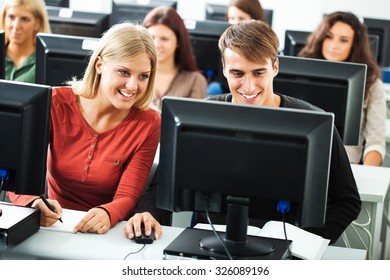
[(86, 169)]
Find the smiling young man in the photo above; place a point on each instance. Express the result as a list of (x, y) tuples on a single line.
[(250, 62)]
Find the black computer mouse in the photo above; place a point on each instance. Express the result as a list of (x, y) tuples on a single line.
[(143, 238)]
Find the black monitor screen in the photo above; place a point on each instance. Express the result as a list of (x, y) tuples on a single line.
[(135, 10), (24, 122), (269, 14), (204, 37), (218, 12), (336, 87), (295, 40), (69, 22), (374, 41), (57, 3), (381, 28), (61, 57), (210, 158), (2, 54)]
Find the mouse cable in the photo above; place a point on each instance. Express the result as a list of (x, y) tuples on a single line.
[(136, 252)]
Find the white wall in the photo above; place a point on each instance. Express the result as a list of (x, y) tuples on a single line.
[(288, 14), (97, 6)]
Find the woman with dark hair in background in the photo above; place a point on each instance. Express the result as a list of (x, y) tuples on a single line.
[(177, 72), (240, 10), (21, 21), (342, 37)]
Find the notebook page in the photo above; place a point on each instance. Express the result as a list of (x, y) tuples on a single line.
[(70, 219)]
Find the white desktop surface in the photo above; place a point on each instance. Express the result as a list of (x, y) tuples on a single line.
[(115, 246), (341, 253), (387, 91), (110, 246), (372, 182)]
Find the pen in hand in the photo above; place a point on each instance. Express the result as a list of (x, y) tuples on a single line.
[(48, 205)]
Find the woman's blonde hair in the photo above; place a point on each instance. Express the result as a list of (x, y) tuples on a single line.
[(36, 7), (122, 42)]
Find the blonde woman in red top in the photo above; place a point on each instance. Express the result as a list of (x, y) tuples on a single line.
[(104, 135)]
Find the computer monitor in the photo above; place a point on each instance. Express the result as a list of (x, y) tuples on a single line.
[(244, 166), (135, 10), (204, 35), (218, 12), (269, 14), (381, 28), (336, 87), (2, 54), (61, 57), (295, 40), (69, 22), (24, 122), (215, 12), (57, 3), (374, 40)]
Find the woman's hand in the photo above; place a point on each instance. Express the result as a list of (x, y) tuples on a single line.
[(97, 221), (133, 226), (48, 217)]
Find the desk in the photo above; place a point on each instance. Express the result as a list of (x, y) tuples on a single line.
[(387, 91), (115, 246), (373, 184)]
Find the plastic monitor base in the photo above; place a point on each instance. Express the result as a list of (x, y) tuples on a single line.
[(186, 246)]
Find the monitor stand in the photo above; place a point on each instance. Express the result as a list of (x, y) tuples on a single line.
[(236, 240), (17, 223), (204, 244), (186, 246)]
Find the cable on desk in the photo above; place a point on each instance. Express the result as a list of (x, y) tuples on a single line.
[(136, 252), (217, 235), (283, 206), (289, 253)]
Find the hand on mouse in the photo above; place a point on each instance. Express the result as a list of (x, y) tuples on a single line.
[(133, 226)]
